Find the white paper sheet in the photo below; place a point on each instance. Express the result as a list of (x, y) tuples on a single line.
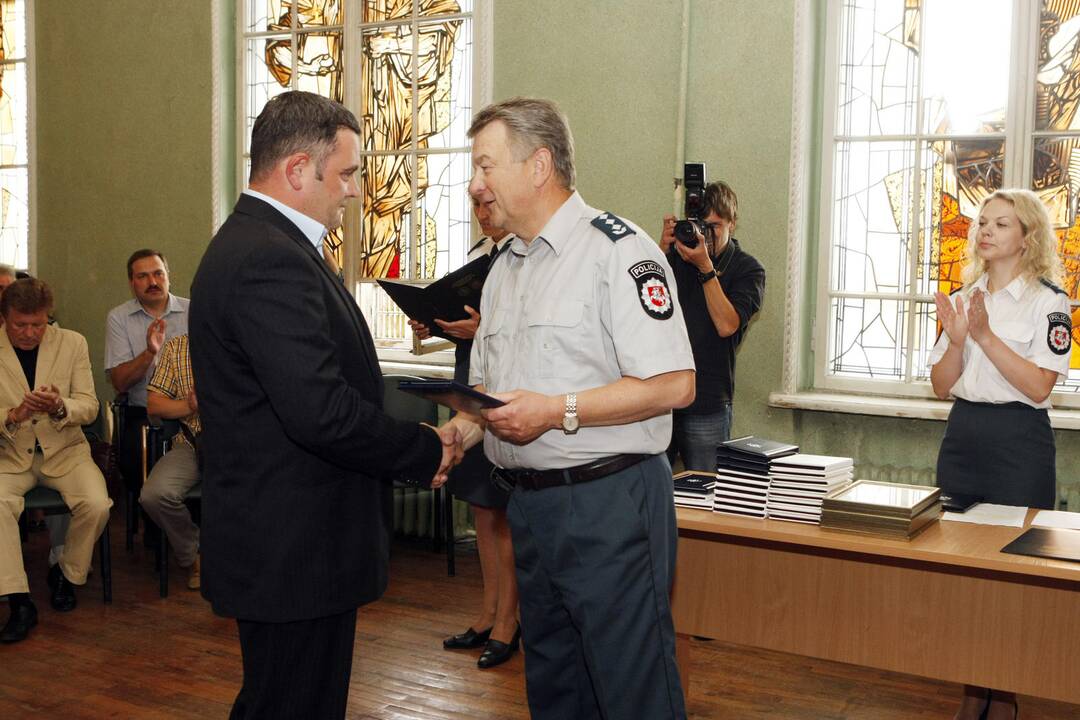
[(1057, 519), (990, 514)]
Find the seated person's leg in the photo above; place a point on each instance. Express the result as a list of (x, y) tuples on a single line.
[(83, 490), (13, 581), (58, 528), (162, 498)]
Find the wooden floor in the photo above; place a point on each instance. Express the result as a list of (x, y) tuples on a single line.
[(144, 657)]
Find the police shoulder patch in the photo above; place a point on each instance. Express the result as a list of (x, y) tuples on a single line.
[(1052, 286), (652, 288), (612, 226), (1059, 333)]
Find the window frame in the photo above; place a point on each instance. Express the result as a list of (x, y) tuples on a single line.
[(1019, 138), (410, 351), (29, 60)]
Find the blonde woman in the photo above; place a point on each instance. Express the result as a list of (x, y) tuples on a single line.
[(1005, 343)]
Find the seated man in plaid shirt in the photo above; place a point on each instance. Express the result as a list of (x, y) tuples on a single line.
[(171, 395)]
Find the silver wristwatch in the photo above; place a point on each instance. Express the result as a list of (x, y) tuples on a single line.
[(570, 421)]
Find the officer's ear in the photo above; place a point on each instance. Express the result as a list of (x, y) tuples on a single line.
[(543, 168)]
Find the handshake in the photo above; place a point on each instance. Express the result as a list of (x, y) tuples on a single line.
[(453, 446)]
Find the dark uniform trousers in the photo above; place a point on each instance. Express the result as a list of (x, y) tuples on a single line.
[(296, 670), (595, 563)]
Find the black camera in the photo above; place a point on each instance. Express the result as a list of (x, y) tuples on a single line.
[(693, 205)]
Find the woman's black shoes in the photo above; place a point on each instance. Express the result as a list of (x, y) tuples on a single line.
[(496, 652), (467, 640)]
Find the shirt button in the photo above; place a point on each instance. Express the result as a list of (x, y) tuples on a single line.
[(30, 451), (34, 421)]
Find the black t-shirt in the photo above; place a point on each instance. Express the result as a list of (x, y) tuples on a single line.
[(28, 360), (743, 281)]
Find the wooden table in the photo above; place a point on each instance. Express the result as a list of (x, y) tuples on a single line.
[(946, 605)]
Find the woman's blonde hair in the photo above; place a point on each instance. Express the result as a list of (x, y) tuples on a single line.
[(1040, 257)]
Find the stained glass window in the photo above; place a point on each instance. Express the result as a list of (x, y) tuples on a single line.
[(922, 129), (408, 76), (14, 139)]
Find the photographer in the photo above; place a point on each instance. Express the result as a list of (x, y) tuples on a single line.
[(720, 288)]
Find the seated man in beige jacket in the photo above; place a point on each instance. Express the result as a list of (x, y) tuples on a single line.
[(46, 395)]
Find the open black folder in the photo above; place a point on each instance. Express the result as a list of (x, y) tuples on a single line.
[(445, 298), (451, 394)]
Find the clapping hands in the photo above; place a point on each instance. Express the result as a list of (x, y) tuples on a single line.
[(958, 324)]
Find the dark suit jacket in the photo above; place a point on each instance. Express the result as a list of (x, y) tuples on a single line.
[(298, 456)]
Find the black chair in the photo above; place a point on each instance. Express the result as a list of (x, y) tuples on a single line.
[(120, 409), (406, 406), (51, 502), (158, 440)]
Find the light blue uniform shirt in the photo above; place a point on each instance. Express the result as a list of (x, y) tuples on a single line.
[(575, 310)]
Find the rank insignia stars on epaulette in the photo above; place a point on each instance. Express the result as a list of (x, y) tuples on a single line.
[(614, 227)]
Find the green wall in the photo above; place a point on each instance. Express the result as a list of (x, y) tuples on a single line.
[(123, 151), (124, 158)]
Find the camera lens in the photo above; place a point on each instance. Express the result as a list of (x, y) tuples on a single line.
[(684, 233)]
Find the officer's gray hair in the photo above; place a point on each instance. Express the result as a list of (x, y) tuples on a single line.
[(533, 123)]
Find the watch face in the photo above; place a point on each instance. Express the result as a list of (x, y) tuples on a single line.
[(570, 423)]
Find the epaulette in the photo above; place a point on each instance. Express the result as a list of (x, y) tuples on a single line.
[(1052, 286), (614, 227)]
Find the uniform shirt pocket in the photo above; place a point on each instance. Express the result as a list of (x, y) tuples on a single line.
[(557, 337), (1017, 335)]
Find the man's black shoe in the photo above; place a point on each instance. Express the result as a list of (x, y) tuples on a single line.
[(62, 597), (23, 617)]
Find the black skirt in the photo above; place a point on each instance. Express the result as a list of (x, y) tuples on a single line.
[(1003, 452), (471, 480)]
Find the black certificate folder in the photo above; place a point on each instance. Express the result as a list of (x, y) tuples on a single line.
[(1054, 543), (445, 298), (451, 394)]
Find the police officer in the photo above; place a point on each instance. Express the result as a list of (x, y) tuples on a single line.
[(581, 336), (1005, 342)]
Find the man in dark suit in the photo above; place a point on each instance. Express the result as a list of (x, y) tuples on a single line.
[(298, 455)]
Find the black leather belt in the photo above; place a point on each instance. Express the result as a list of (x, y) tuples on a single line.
[(509, 478)]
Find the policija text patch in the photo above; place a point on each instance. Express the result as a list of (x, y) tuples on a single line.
[(653, 289), (1059, 334)]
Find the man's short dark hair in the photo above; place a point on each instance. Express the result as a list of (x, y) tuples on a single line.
[(26, 296), (721, 199), (145, 253), (293, 122)]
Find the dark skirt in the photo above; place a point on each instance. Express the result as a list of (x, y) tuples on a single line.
[(1002, 452), (471, 480)]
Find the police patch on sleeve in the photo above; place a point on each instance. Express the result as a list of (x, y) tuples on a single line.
[(653, 291), (1059, 334), (613, 227)]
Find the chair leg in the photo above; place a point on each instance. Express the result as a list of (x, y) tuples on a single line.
[(163, 564), (105, 551), (131, 520), (448, 499), (436, 519)]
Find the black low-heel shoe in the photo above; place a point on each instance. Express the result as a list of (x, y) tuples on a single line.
[(496, 652), (467, 640)]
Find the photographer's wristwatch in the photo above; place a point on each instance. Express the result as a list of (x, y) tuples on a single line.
[(704, 277), (570, 421)]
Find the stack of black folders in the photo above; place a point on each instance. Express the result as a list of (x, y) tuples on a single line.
[(799, 482), (742, 474), (694, 489), (887, 509), (445, 298)]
